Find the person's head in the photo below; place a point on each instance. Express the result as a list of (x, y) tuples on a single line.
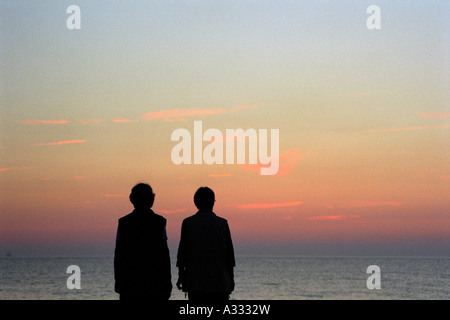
[(204, 198), (142, 196)]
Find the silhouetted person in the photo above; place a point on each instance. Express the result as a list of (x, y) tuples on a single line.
[(205, 258), (142, 267)]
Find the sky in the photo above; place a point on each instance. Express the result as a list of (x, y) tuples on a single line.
[(363, 118)]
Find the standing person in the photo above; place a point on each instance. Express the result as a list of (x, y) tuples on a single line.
[(205, 257), (141, 257)]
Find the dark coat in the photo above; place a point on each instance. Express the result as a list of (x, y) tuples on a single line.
[(141, 257), (205, 254)]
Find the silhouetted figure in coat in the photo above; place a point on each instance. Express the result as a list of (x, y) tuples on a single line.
[(142, 267), (205, 257)]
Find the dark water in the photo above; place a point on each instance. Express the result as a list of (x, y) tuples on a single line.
[(257, 278)]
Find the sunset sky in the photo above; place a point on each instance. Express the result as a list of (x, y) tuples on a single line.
[(363, 118)]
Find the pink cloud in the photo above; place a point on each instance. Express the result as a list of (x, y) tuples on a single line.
[(59, 143), (33, 122), (287, 161), (269, 205), (435, 115), (183, 113)]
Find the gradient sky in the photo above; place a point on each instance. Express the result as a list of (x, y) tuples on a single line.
[(363, 116)]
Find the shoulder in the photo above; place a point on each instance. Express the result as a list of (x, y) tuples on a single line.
[(220, 219), (209, 218), (189, 219), (126, 218), (223, 223), (159, 218)]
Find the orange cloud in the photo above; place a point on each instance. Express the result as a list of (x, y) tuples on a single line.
[(59, 143), (269, 205), (216, 175), (113, 195), (33, 122), (182, 114), (435, 115), (288, 160), (122, 120), (171, 211), (15, 168)]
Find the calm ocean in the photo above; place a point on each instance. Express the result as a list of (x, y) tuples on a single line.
[(257, 278)]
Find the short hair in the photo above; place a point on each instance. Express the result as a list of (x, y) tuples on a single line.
[(204, 198), (142, 195)]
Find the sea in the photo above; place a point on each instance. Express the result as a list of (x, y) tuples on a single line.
[(256, 278)]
